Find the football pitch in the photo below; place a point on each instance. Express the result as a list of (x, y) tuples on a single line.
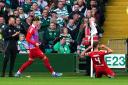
[(66, 79)]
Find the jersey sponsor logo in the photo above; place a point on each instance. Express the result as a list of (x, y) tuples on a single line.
[(96, 55)]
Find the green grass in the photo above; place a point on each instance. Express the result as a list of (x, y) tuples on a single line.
[(66, 79)]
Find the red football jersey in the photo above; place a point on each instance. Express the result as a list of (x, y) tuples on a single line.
[(32, 36), (98, 58)]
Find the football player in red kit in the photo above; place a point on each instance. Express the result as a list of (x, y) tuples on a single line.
[(97, 56), (35, 52)]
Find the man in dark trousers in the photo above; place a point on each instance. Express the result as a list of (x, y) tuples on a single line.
[(10, 35)]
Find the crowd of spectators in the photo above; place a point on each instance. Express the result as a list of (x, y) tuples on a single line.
[(63, 22)]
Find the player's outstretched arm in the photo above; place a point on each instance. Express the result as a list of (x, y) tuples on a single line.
[(85, 52)]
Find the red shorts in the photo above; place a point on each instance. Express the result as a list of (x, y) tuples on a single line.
[(103, 70), (36, 53)]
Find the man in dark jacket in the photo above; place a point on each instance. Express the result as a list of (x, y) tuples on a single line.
[(10, 35)]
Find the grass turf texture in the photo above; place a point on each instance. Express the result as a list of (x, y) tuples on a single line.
[(66, 79)]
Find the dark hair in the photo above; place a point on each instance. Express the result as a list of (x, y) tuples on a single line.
[(95, 44), (11, 16), (15, 10), (2, 1), (44, 10), (31, 11), (36, 19), (17, 17), (53, 12), (34, 3), (62, 37)]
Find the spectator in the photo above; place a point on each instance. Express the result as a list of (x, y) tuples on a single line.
[(4, 11), (86, 28), (59, 20), (70, 2), (31, 14), (100, 11), (83, 26), (26, 6), (88, 14), (10, 35), (2, 7), (2, 27), (16, 13), (50, 36), (20, 26), (76, 9), (66, 35), (36, 9), (94, 25), (42, 3), (95, 14), (22, 45), (62, 11), (97, 17), (93, 3), (61, 46), (77, 19), (74, 25), (14, 4), (21, 2), (22, 15), (73, 30), (2, 22), (51, 2), (81, 47), (67, 6), (47, 8), (27, 23), (82, 6), (45, 20)]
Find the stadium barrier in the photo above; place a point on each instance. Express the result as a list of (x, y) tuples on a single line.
[(60, 62), (68, 63)]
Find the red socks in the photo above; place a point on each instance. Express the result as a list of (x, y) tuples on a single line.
[(25, 65), (48, 66), (28, 63)]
